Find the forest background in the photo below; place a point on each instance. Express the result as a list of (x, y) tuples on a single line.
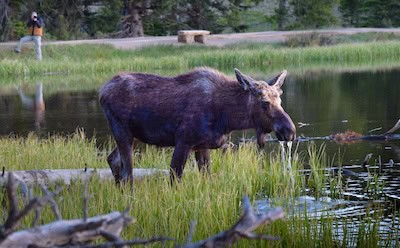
[(82, 19)]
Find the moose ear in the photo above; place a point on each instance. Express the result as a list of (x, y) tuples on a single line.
[(247, 83), (278, 80), (243, 79)]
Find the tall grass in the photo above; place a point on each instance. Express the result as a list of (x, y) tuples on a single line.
[(95, 59), (161, 209)]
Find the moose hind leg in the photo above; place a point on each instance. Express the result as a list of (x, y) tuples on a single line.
[(203, 160)]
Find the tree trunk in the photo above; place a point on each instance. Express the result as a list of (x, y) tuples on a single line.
[(282, 13), (135, 22), (132, 22), (4, 19)]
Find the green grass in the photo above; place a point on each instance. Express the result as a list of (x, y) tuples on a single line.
[(91, 60), (159, 209), (214, 202)]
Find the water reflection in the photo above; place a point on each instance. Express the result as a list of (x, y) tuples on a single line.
[(370, 195), (35, 104), (320, 102)]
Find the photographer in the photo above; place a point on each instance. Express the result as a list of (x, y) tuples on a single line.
[(35, 31)]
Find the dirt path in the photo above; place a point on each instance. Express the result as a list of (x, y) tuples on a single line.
[(213, 40)]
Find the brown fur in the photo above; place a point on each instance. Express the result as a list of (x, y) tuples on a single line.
[(193, 112)]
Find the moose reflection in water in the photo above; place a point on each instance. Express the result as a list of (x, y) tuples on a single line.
[(36, 104), (192, 112)]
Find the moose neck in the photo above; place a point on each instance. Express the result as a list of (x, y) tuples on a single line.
[(238, 109)]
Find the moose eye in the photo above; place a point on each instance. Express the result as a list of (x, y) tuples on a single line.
[(265, 105)]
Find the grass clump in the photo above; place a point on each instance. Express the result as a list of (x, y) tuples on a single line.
[(163, 210), (101, 59)]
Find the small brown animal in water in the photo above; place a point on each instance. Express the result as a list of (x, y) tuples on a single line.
[(192, 112)]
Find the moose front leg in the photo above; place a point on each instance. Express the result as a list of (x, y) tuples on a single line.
[(178, 162), (260, 138), (203, 160), (114, 161)]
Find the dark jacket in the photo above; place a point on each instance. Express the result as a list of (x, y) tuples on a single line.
[(35, 27)]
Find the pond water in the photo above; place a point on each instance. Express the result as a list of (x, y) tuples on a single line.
[(321, 103)]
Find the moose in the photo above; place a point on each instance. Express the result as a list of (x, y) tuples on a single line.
[(191, 112)]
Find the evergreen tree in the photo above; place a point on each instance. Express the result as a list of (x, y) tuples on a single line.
[(313, 13), (350, 10), (281, 14), (380, 13)]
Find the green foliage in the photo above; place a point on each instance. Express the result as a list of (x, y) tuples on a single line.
[(310, 39), (321, 39), (75, 19), (378, 13), (351, 10), (370, 13), (314, 14), (104, 20), (18, 29)]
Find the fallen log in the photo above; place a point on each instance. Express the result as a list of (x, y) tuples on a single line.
[(65, 232), (44, 177)]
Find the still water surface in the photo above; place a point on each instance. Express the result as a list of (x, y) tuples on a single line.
[(321, 103)]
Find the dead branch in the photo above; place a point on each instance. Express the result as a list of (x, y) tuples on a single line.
[(242, 229), (54, 206), (394, 128)]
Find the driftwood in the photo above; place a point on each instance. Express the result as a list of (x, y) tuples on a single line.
[(81, 232), (42, 177), (343, 138), (242, 229)]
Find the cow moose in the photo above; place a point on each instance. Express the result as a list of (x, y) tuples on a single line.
[(192, 112)]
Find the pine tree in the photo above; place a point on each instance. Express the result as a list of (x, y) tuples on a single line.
[(314, 13), (350, 10)]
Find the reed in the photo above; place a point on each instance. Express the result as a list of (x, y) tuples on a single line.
[(213, 201), (100, 59)]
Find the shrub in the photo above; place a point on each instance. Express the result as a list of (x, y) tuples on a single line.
[(310, 39)]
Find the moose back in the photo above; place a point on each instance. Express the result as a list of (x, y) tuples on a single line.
[(192, 112)]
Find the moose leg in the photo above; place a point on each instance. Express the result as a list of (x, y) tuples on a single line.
[(124, 139), (203, 160), (178, 162), (114, 161), (126, 157)]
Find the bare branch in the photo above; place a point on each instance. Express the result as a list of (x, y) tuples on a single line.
[(50, 198), (191, 232), (243, 228), (127, 243), (12, 204), (109, 236), (85, 199)]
